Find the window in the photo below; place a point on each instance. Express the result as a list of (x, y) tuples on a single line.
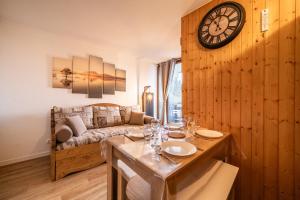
[(175, 96)]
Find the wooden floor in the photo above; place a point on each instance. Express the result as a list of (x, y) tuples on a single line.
[(31, 180)]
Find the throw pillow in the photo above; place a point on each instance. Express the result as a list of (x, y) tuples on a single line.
[(106, 116), (125, 112), (137, 118), (148, 119), (63, 133), (85, 112), (76, 125)]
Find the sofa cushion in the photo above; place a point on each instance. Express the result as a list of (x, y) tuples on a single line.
[(85, 112), (77, 125), (63, 132), (106, 116), (85, 138), (125, 112), (148, 119), (137, 118), (96, 135)]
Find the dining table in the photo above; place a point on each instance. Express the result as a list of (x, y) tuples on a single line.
[(165, 173)]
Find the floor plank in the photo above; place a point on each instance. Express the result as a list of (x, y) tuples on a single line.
[(31, 180)]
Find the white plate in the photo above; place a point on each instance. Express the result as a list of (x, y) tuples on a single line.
[(178, 148), (136, 135), (209, 133)]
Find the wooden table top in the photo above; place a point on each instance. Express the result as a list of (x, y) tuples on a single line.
[(141, 152)]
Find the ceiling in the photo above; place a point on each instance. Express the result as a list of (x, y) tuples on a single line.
[(148, 28)]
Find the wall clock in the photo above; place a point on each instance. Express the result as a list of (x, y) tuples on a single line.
[(221, 25)]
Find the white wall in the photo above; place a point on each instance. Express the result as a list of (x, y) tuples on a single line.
[(147, 76), (26, 95)]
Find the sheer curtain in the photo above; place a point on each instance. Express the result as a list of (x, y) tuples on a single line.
[(165, 75)]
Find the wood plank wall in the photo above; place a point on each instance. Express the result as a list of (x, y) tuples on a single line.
[(251, 87)]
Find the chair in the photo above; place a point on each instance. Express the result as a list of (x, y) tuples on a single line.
[(137, 189), (215, 182), (125, 173)]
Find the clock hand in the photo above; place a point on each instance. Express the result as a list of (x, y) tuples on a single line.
[(218, 25), (219, 19)]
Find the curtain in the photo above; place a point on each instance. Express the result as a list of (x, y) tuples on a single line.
[(165, 75)]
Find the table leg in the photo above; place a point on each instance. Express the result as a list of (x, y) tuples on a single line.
[(157, 188), (112, 176), (121, 186)]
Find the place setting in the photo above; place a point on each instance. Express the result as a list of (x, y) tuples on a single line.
[(186, 137), (134, 134), (174, 141), (169, 141)]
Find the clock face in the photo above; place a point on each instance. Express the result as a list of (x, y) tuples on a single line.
[(221, 25)]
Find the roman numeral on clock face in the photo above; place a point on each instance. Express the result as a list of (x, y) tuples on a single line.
[(205, 37), (205, 32), (231, 28), (211, 18), (233, 11), (234, 19), (218, 12), (205, 28), (225, 10), (225, 34), (210, 39)]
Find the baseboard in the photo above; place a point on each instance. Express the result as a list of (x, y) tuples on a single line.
[(24, 158)]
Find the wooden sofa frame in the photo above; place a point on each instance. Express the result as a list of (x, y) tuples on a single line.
[(76, 159)]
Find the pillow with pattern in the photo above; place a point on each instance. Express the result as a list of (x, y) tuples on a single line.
[(125, 112), (106, 116), (85, 113)]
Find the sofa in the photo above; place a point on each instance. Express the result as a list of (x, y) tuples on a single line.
[(86, 150)]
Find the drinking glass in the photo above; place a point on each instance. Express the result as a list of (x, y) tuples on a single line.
[(155, 142), (182, 123), (147, 132), (164, 133), (155, 126), (191, 125)]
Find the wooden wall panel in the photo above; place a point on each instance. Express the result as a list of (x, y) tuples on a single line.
[(202, 76), (209, 91), (251, 87), (226, 74), (235, 105), (196, 67), (246, 102), (184, 60), (257, 102), (297, 104), (217, 74), (271, 100), (286, 98)]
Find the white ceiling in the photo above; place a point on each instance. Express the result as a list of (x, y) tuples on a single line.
[(148, 28)]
